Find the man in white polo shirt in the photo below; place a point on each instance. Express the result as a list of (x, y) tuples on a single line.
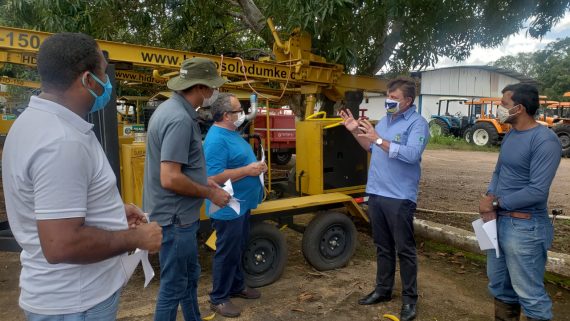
[(62, 201)]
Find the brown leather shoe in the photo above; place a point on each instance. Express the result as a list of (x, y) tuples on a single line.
[(247, 293), (227, 309)]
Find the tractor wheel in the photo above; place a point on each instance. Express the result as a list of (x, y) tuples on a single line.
[(563, 133), (484, 134), (329, 241), (281, 158), (265, 256), (438, 127), (468, 135)]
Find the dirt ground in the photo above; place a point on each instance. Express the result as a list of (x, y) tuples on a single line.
[(451, 287), (454, 181)]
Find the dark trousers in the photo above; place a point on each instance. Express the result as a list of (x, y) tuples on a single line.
[(227, 273), (179, 272), (393, 233)]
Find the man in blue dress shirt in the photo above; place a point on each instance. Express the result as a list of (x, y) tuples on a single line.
[(517, 197), (396, 144)]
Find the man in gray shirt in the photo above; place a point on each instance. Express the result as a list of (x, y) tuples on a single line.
[(175, 184), (517, 197)]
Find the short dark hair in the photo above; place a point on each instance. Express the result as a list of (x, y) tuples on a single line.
[(64, 56), (526, 95), (406, 84), (222, 105)]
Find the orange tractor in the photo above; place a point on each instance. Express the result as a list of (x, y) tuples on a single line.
[(487, 130), (561, 123)]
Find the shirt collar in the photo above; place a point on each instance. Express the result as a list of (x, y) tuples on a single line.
[(62, 112), (407, 114), (176, 96)]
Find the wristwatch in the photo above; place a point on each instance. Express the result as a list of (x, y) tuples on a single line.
[(495, 203), (379, 141)]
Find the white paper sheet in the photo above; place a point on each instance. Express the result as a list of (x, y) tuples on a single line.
[(261, 176), (233, 203), (228, 187), (131, 261), (486, 234)]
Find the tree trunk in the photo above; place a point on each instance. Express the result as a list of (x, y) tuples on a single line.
[(254, 19), (390, 42)]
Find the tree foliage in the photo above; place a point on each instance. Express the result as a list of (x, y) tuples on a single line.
[(197, 25), (550, 67), (364, 35)]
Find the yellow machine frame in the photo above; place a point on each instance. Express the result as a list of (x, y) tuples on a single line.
[(295, 71)]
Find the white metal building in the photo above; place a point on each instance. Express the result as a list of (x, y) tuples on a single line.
[(461, 82)]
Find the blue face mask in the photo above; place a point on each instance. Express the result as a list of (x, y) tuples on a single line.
[(100, 101), (392, 106)]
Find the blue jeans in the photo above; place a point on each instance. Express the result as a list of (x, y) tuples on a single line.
[(179, 272), (518, 275), (227, 273), (104, 311)]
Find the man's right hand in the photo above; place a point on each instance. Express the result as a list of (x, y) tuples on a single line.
[(218, 196), (149, 236), (256, 168), (348, 120)]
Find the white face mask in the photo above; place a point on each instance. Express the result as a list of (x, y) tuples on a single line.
[(209, 101), (240, 120), (503, 113)]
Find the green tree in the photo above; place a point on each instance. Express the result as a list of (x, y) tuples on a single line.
[(549, 67), (364, 35), (524, 63)]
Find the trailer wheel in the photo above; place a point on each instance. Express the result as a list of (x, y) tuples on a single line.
[(265, 256), (281, 158), (329, 241), (563, 133)]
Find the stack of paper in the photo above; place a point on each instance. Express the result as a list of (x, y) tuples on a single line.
[(486, 234)]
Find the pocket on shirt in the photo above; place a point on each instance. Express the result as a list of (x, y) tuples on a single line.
[(404, 140)]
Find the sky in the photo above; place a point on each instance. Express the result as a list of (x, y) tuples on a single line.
[(511, 46)]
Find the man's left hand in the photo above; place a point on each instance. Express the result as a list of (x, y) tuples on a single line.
[(486, 203), (135, 215), (367, 130)]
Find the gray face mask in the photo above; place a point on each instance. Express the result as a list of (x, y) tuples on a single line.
[(504, 114), (209, 101)]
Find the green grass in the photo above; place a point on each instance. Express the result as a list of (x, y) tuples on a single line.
[(457, 143)]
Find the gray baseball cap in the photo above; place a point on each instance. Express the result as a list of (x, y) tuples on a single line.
[(196, 71)]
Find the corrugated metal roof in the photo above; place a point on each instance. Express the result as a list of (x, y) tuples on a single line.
[(503, 71)]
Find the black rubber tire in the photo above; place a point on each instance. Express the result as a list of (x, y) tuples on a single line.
[(484, 134), (265, 256), (467, 135), (329, 241), (281, 158), (563, 133), (438, 127)]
